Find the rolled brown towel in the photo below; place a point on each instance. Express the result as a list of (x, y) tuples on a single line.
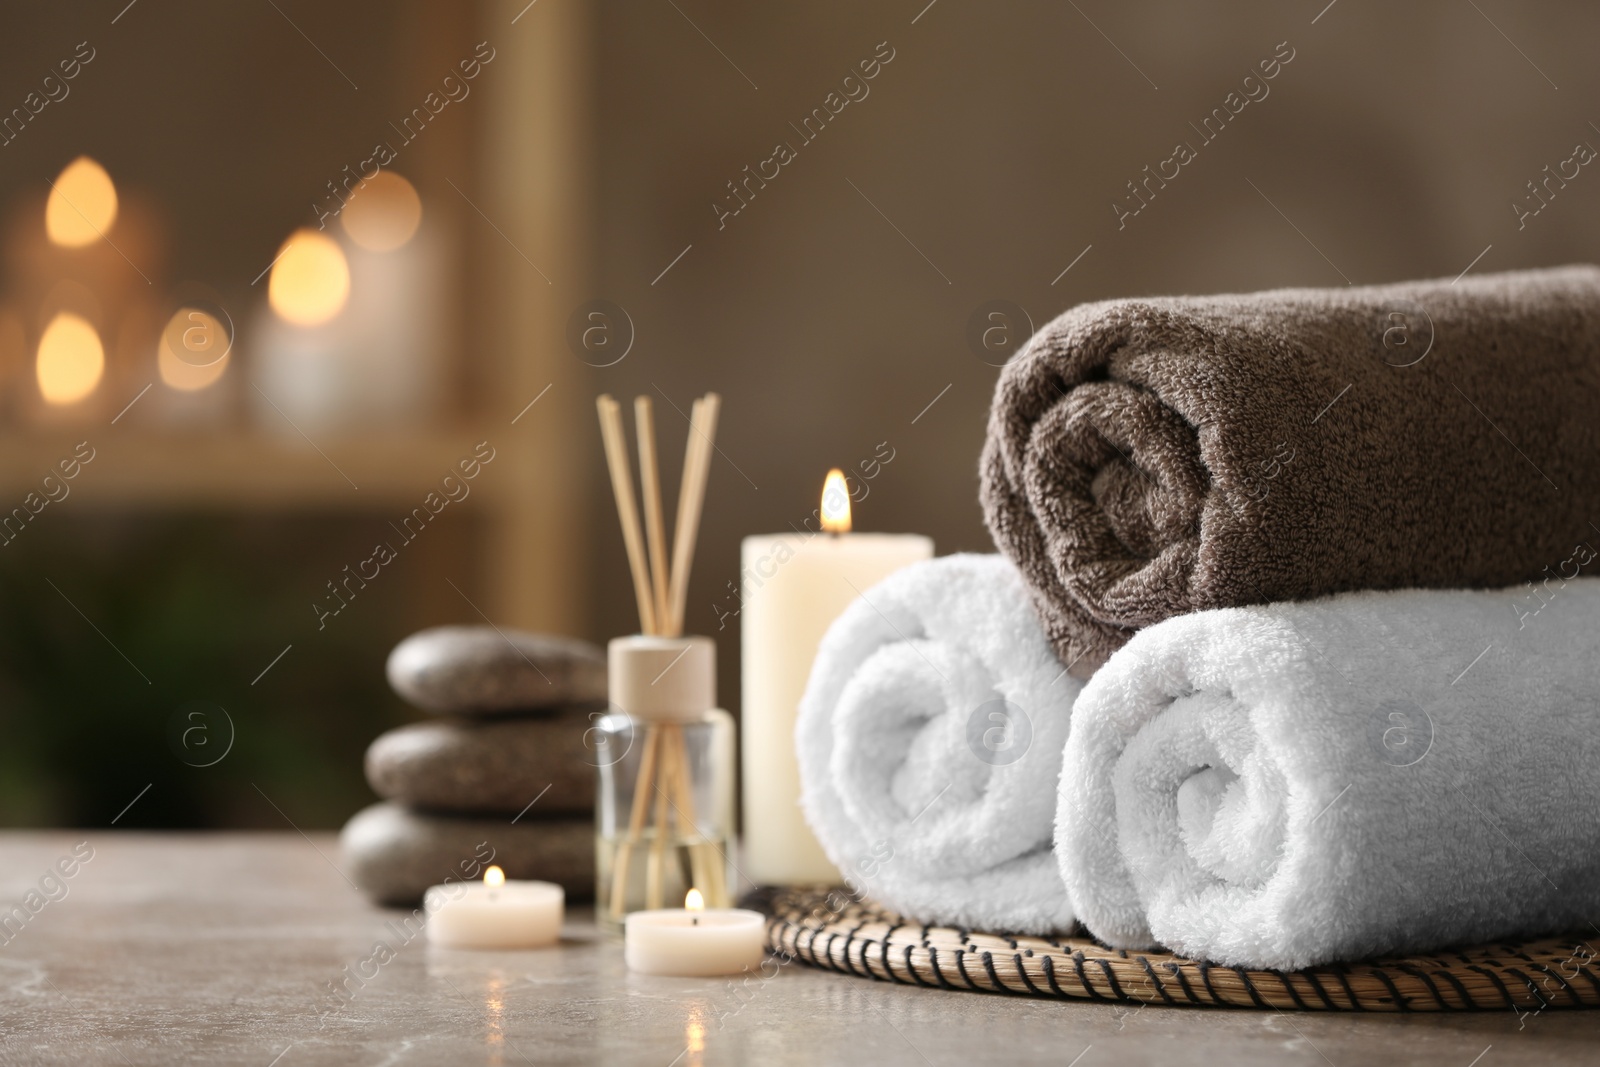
[(1151, 457)]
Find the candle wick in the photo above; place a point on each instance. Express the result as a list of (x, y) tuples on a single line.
[(695, 920)]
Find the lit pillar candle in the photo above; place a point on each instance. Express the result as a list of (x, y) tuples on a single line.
[(694, 942), (792, 588), (495, 913)]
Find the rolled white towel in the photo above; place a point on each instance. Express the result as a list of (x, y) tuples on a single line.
[(1295, 784), (930, 739)]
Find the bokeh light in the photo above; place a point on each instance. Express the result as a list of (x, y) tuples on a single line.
[(311, 279), (82, 205), (383, 214), (71, 359), (193, 350)]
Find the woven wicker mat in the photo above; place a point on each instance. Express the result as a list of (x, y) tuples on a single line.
[(827, 929)]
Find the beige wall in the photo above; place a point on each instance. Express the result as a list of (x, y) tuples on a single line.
[(996, 140), (835, 307)]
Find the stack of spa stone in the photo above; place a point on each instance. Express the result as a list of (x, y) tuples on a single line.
[(501, 774)]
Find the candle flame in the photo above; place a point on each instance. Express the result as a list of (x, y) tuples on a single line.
[(310, 281), (694, 901), (384, 213), (835, 503), (82, 204), (71, 359), (494, 877), (193, 350)]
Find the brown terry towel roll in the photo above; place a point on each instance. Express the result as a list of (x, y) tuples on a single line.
[(1147, 458)]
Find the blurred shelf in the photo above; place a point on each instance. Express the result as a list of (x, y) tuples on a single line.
[(382, 470)]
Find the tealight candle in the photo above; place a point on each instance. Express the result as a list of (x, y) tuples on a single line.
[(693, 942), (495, 914)]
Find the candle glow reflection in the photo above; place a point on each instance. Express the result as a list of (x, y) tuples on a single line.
[(495, 1006), (694, 1036)]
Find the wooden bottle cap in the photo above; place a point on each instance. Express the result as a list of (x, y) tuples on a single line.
[(663, 679)]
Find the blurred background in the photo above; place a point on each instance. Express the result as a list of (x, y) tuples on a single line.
[(269, 270)]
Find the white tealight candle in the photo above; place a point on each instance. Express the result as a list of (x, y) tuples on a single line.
[(495, 914), (692, 942)]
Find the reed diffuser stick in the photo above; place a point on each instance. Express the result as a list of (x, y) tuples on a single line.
[(685, 491), (658, 843), (615, 439), (641, 804), (683, 802), (691, 500), (644, 427)]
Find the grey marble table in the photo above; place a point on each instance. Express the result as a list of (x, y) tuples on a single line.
[(223, 949)]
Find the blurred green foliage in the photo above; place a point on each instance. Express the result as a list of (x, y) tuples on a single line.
[(165, 611)]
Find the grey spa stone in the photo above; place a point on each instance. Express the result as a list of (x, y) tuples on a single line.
[(493, 766), (488, 670), (394, 854)]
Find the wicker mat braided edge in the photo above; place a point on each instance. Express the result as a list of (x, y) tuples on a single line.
[(828, 929)]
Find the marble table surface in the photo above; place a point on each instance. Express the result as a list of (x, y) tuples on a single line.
[(224, 949)]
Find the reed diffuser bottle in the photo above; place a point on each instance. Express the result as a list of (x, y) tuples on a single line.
[(665, 817), (665, 812)]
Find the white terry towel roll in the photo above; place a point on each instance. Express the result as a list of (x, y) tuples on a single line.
[(1294, 784), (930, 739)]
